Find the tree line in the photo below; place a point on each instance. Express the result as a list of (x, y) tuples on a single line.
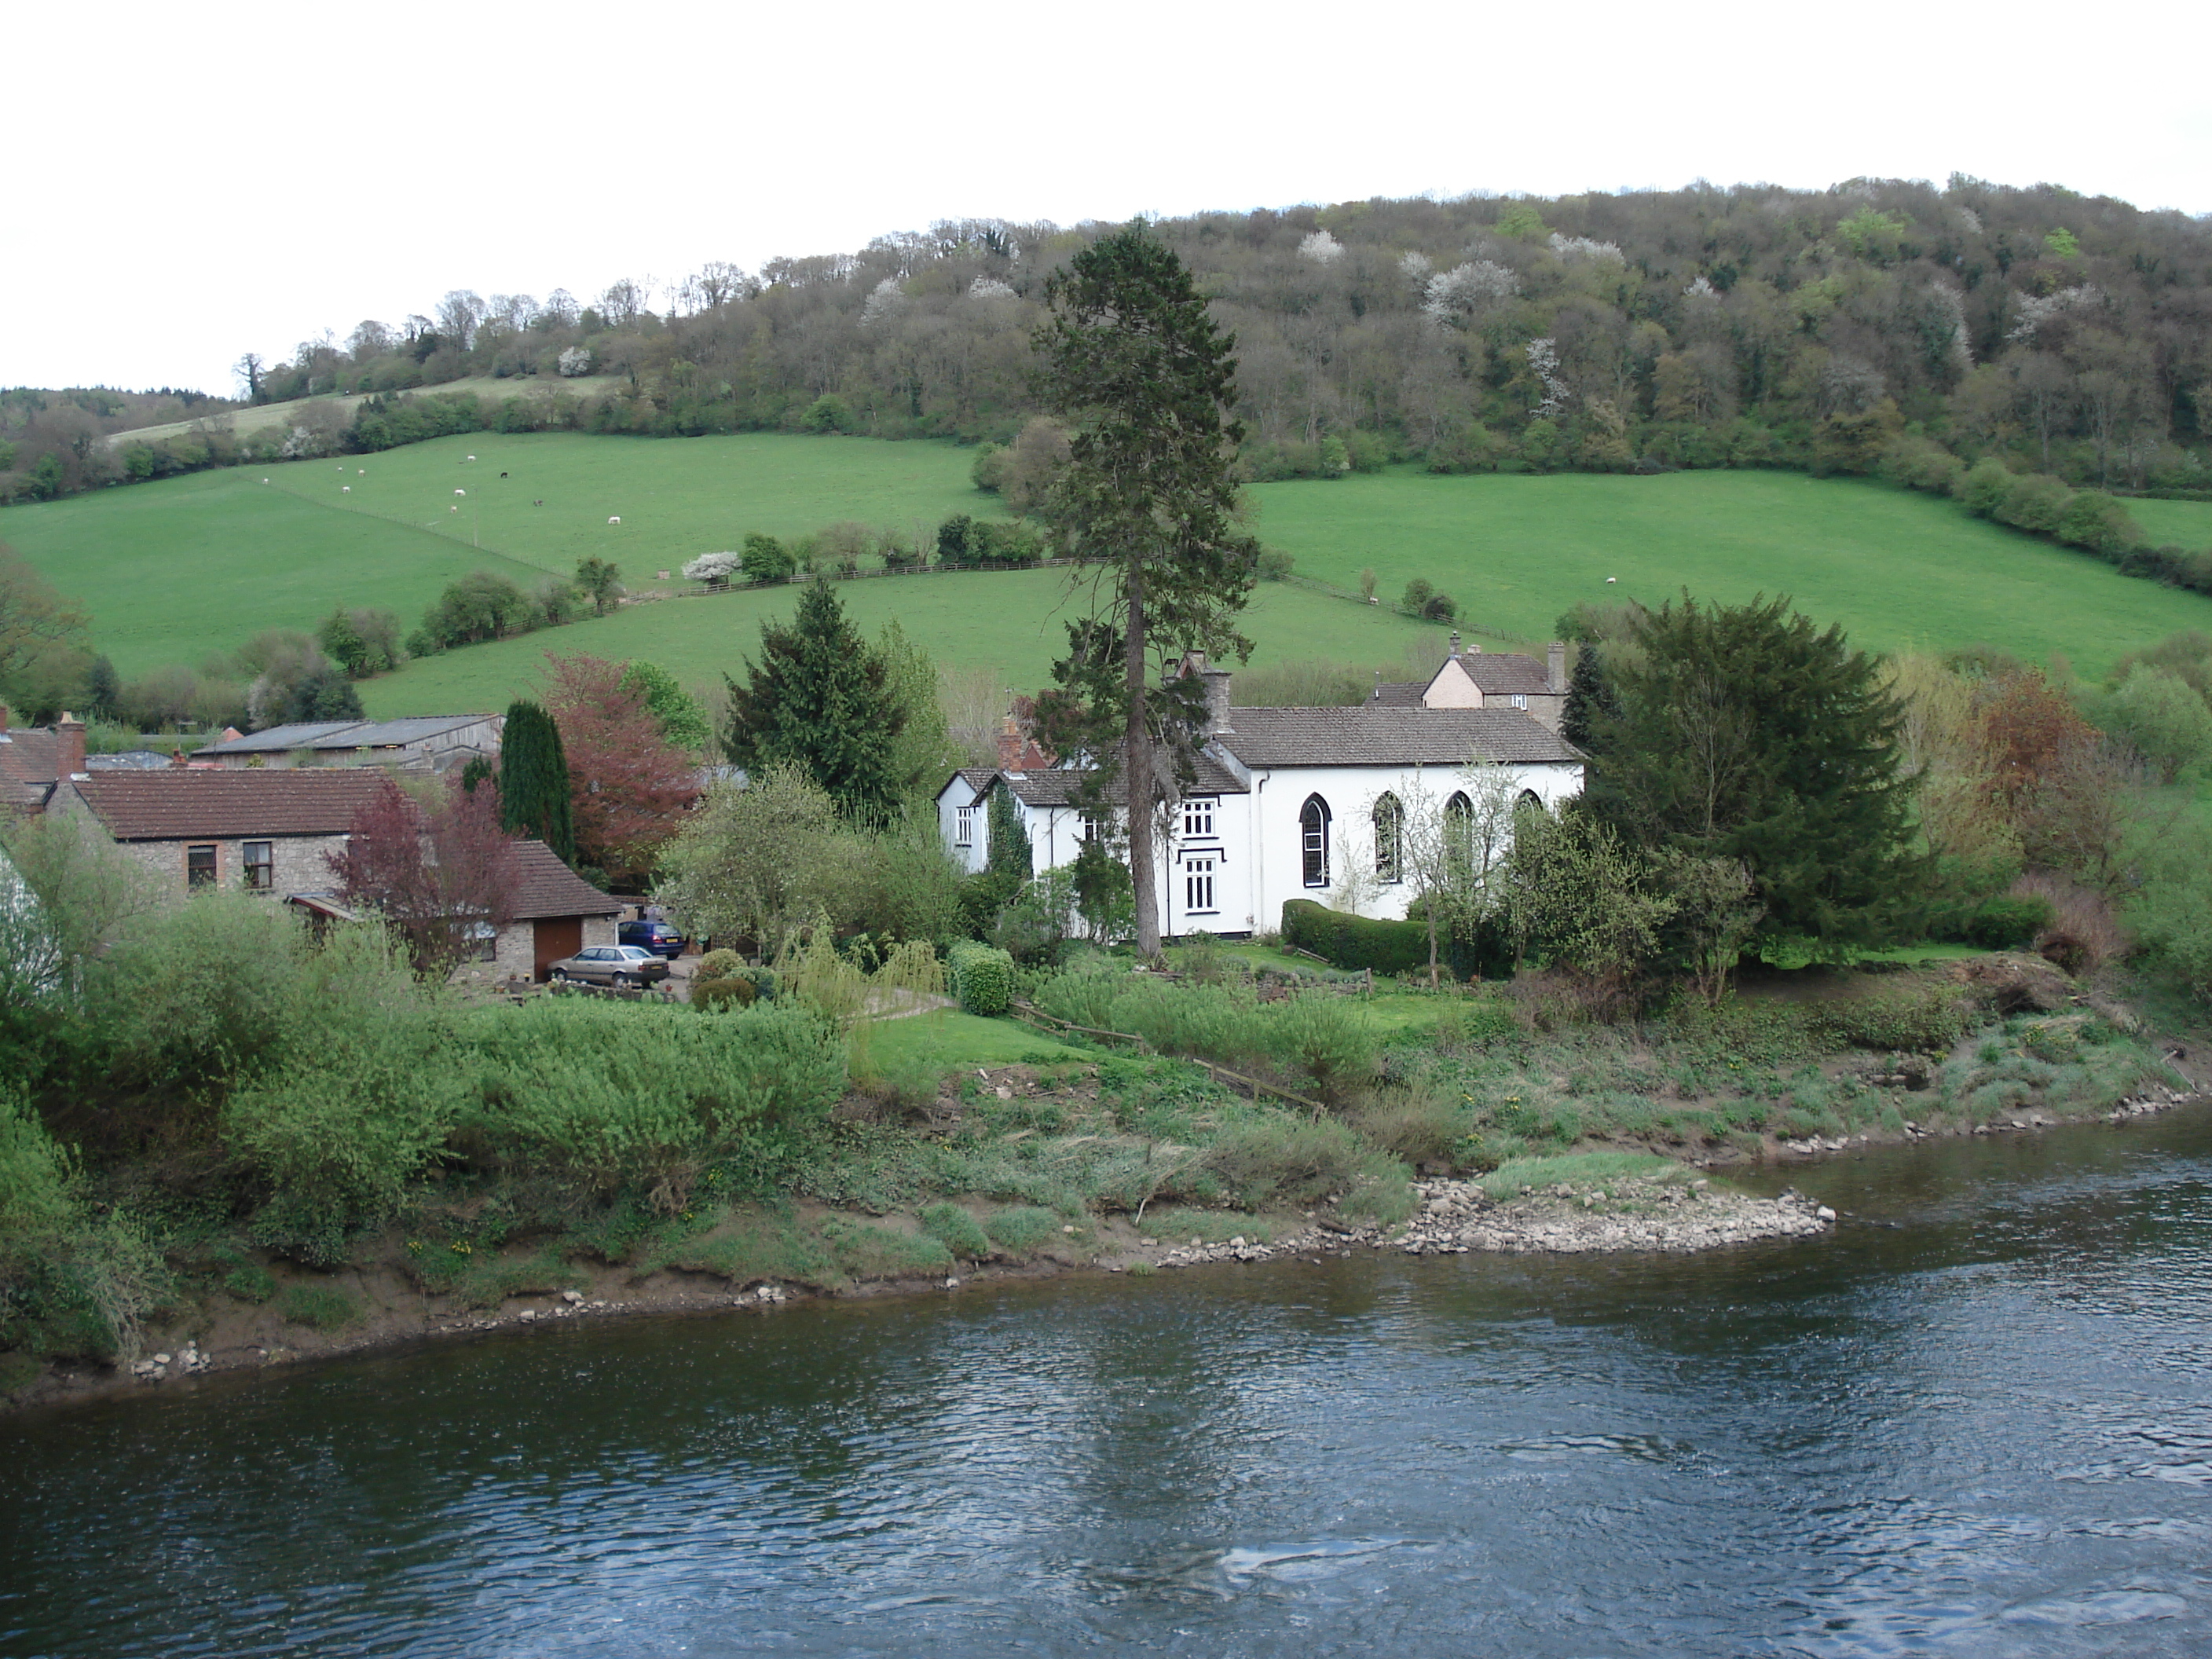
[(1751, 325)]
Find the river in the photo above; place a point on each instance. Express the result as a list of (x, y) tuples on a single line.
[(1976, 1420)]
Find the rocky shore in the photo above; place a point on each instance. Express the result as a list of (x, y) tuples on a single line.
[(1456, 1218)]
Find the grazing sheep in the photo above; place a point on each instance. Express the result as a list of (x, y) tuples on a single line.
[(345, 489), (614, 521), (460, 492), (1613, 578)]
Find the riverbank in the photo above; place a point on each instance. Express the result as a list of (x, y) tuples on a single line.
[(1638, 1207)]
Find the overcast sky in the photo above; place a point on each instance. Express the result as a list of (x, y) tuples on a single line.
[(191, 184)]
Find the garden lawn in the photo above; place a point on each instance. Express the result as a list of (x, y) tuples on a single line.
[(951, 1039), (1899, 571)]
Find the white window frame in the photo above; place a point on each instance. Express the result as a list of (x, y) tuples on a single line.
[(1198, 818), (1198, 888), (964, 826)]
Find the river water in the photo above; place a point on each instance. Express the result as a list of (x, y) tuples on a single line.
[(1977, 1421)]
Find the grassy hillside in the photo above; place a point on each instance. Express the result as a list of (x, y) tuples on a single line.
[(1899, 571), (2183, 524), (1006, 620), (173, 570)]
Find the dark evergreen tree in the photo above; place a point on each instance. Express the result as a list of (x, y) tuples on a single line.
[(1132, 357), (533, 780), (324, 695), (818, 699), (102, 687), (1744, 733)]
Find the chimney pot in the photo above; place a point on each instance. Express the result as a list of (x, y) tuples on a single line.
[(1455, 644), (69, 734)]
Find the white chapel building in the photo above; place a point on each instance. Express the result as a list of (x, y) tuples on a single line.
[(1287, 802)]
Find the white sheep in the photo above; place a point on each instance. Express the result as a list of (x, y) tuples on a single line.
[(345, 489), (614, 521), (1613, 578), (460, 492)]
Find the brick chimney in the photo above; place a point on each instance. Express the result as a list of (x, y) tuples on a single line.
[(4, 717), (1010, 745), (68, 745), (1555, 665)]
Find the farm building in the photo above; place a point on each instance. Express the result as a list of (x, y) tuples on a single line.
[(423, 742)]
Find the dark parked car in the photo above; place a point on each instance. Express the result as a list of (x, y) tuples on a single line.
[(657, 937), (610, 964)]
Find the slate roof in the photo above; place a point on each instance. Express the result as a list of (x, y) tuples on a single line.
[(180, 804), (1369, 736), (1059, 786), (1496, 673), (343, 734), (1397, 694), (28, 758), (546, 887)]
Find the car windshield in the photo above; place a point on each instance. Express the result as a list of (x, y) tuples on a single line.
[(630, 952)]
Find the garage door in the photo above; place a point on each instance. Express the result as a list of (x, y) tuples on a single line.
[(556, 937)]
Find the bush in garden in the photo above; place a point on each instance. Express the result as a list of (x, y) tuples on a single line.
[(982, 978)]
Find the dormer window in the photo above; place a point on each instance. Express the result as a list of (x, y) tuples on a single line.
[(964, 826)]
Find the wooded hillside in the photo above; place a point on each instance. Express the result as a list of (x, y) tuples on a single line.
[(1745, 326)]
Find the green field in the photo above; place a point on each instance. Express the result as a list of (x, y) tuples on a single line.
[(2179, 524), (1899, 571), (174, 570)]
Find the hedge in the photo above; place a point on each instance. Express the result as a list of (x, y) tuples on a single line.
[(1355, 942), (982, 978)]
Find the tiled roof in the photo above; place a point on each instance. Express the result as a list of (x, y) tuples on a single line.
[(1399, 694), (27, 768), (1369, 736), (1056, 786), (546, 887), (179, 803), (1496, 672)]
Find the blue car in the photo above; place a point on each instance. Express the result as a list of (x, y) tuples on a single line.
[(657, 937)]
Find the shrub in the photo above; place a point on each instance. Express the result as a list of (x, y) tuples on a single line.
[(2006, 922), (1441, 607), (712, 996), (1279, 1160), (609, 1092), (1927, 1022), (1274, 564), (318, 1306), (1328, 1040), (982, 978), (1021, 1228), (1419, 593), (251, 1282), (719, 964), (958, 1230), (1355, 942)]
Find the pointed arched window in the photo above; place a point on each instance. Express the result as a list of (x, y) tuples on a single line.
[(1389, 840), (1459, 829), (1313, 838)]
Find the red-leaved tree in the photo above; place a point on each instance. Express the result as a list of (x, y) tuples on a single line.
[(631, 786), (442, 879)]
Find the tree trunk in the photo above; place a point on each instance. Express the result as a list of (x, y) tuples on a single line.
[(1137, 780)]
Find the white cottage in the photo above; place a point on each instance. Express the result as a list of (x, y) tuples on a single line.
[(1289, 802)]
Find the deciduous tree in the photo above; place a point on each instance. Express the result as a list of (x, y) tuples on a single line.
[(630, 787), (442, 879)]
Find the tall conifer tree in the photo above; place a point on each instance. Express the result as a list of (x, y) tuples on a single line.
[(819, 699), (533, 780), (1132, 358)]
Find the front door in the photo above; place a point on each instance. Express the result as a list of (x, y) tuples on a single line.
[(554, 938)]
